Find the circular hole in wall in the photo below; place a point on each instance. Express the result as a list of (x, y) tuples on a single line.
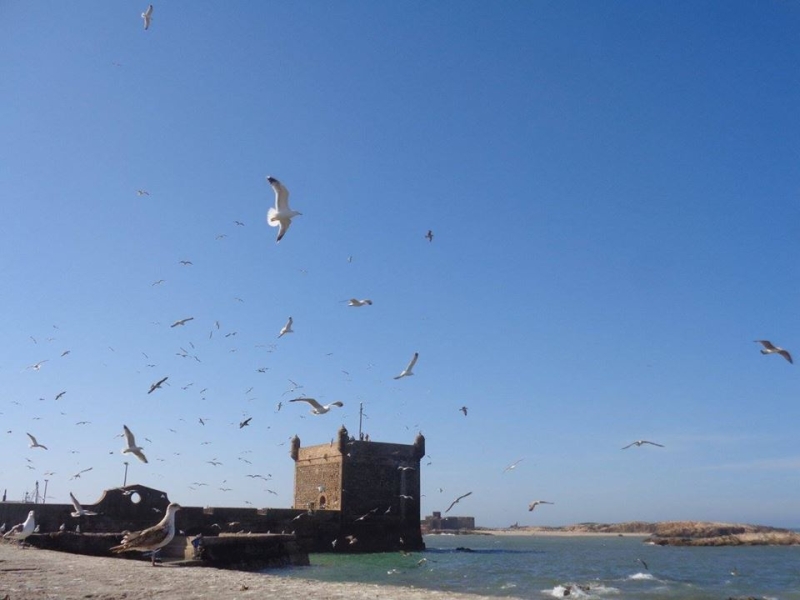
[(136, 498)]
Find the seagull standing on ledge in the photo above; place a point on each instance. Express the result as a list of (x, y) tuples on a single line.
[(147, 16), (281, 215), (132, 447), (769, 348), (23, 530), (640, 442), (407, 371), (316, 407), (153, 538)]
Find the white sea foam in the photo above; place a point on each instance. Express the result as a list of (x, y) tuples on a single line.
[(641, 576)]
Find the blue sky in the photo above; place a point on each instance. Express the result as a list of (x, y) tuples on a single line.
[(613, 190)]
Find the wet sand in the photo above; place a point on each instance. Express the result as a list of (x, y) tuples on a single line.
[(33, 574)]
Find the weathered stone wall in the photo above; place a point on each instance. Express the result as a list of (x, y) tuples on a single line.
[(318, 478)]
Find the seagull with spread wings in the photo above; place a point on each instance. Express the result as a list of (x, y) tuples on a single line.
[(34, 443), (769, 348), (316, 407), (79, 510), (536, 503), (147, 16), (182, 321), (132, 447), (280, 215), (157, 385), (357, 302), (456, 501), (641, 442), (287, 328), (407, 371)]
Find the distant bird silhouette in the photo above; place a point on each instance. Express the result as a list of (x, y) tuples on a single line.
[(769, 348), (356, 302), (640, 442), (407, 371), (643, 563), (456, 501), (34, 443), (536, 503), (287, 328), (245, 423), (464, 410), (182, 321), (429, 235), (157, 385)]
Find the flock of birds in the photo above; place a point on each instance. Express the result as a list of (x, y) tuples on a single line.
[(280, 216)]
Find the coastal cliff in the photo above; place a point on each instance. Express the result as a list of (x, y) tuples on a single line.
[(680, 533)]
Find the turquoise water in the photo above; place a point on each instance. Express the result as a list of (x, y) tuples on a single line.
[(542, 566)]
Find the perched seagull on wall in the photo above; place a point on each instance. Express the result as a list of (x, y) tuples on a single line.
[(286, 328), (357, 302), (454, 502), (281, 215), (34, 443), (23, 530), (157, 385), (640, 442), (79, 510), (769, 348), (513, 465), (316, 407), (182, 321), (536, 503), (147, 16), (153, 538), (407, 371), (132, 448)]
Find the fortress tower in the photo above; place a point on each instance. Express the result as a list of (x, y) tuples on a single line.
[(375, 486)]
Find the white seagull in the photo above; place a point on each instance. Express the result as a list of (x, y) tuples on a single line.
[(316, 407), (536, 503), (132, 447), (147, 16), (357, 302), (182, 321), (79, 510), (456, 501), (640, 442), (23, 530), (34, 443), (153, 538), (281, 215), (286, 328), (769, 348), (407, 371)]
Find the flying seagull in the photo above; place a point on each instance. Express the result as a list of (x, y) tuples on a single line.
[(34, 443), (79, 510), (60, 394), (286, 328), (142, 192), (513, 465), (281, 215), (245, 423), (23, 530), (157, 385), (132, 447), (147, 16), (770, 349), (643, 563), (153, 538), (640, 442), (464, 409), (356, 302), (454, 502), (182, 321), (407, 371), (536, 503), (316, 407), (429, 235)]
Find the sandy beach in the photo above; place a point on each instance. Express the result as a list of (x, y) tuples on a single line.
[(33, 574)]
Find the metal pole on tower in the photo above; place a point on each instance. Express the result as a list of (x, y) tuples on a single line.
[(44, 498), (360, 417), (125, 479)]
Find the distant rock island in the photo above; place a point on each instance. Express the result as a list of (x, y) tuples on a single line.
[(677, 533)]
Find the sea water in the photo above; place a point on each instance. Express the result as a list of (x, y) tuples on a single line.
[(540, 566)]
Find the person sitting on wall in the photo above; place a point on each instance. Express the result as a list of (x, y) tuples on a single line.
[(197, 544)]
